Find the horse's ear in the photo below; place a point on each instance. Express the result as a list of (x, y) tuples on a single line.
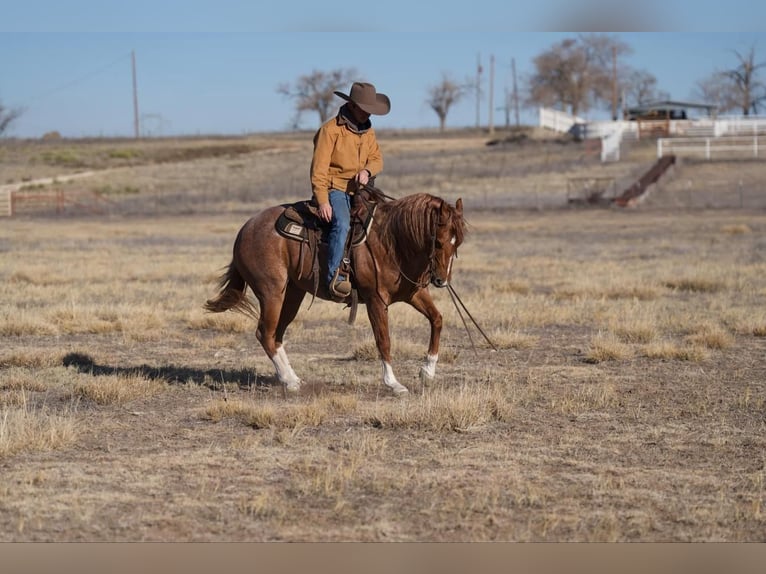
[(459, 206)]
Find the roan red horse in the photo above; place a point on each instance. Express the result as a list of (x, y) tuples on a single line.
[(406, 245)]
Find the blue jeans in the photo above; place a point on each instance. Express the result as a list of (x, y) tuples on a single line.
[(340, 223)]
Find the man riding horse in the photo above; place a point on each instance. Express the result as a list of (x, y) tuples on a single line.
[(409, 244), (346, 155)]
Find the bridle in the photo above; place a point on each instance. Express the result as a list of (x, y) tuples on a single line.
[(431, 278)]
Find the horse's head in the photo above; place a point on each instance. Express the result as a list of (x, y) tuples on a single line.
[(448, 233)]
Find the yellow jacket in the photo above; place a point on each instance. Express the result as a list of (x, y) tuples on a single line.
[(339, 154)]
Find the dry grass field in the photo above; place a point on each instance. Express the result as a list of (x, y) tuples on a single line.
[(626, 402)]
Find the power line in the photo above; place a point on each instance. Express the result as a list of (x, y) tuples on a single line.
[(80, 79)]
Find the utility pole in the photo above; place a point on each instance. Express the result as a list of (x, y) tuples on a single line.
[(491, 120), (135, 96), (515, 92), (614, 83), (478, 90), (507, 107)]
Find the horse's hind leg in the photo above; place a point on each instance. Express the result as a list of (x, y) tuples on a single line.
[(292, 303), (268, 324)]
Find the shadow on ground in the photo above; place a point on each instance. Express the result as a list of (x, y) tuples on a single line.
[(211, 378)]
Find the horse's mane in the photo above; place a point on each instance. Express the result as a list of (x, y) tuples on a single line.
[(407, 224)]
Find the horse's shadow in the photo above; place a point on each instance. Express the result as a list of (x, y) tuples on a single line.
[(211, 378)]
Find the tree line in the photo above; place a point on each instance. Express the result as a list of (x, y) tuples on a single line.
[(577, 74)]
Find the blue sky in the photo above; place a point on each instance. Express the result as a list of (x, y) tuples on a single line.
[(216, 71)]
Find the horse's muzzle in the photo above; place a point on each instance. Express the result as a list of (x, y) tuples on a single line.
[(440, 283)]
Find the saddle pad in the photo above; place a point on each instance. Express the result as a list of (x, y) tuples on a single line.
[(291, 229)]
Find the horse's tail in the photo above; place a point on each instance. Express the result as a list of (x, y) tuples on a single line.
[(232, 295)]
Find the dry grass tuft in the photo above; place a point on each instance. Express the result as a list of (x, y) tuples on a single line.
[(31, 278), (117, 389), (669, 350), (505, 339), (736, 229), (637, 292), (263, 414), (584, 398), (636, 331), (21, 324), (24, 428), (695, 285), (32, 359), (18, 378), (590, 289), (607, 348), (515, 287), (263, 506), (222, 322), (256, 415), (711, 337), (466, 409)]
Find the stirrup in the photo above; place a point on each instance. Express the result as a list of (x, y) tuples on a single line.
[(340, 286)]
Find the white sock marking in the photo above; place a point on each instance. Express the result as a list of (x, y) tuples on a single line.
[(389, 379), (285, 372)]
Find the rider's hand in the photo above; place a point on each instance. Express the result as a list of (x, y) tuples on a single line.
[(325, 212), (362, 177)]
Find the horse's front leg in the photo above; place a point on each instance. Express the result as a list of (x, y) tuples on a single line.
[(377, 312), (423, 302)]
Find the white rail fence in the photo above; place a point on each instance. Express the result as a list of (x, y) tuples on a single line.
[(610, 133), (740, 126), (712, 147), (610, 144), (558, 121), (726, 136)]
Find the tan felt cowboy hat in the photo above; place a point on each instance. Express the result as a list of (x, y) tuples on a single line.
[(365, 96)]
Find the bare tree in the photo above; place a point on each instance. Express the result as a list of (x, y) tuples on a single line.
[(442, 96), (736, 88), (745, 82), (315, 92), (640, 87), (716, 90), (576, 73), (7, 117)]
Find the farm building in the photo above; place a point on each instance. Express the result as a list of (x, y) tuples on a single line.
[(654, 118)]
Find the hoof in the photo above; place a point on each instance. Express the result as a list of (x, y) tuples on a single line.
[(292, 388), (425, 378), (400, 391)]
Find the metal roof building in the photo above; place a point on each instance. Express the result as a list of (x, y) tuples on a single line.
[(667, 110)]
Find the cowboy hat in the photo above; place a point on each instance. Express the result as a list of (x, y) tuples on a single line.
[(365, 96)]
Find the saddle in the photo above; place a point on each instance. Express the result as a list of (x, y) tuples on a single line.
[(300, 221)]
